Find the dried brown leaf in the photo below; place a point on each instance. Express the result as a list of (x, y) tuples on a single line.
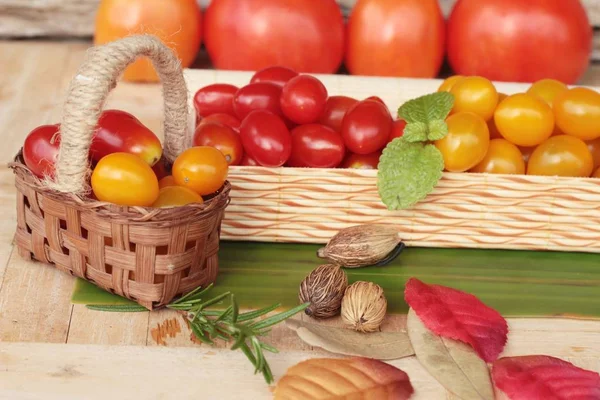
[(351, 378), (377, 345), (454, 364)]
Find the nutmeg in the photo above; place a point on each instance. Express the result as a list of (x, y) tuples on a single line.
[(324, 289), (362, 245), (364, 306)]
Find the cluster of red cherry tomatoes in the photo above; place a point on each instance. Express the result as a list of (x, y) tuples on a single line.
[(282, 118), (548, 130), (127, 164)]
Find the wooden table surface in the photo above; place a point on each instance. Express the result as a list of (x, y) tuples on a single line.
[(52, 349)]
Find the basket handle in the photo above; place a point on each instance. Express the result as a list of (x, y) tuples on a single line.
[(87, 94)]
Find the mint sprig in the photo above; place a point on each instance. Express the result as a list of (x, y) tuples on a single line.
[(410, 167), (407, 173), (425, 116)]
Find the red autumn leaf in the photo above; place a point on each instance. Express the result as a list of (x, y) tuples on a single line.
[(544, 378), (458, 315)]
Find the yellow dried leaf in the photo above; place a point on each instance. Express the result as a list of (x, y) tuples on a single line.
[(351, 378)]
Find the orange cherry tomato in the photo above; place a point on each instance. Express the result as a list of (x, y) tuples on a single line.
[(494, 132), (526, 152), (221, 137), (202, 169), (466, 143), (561, 156), (577, 113), (124, 179), (596, 173), (475, 94), (524, 119), (594, 147), (167, 181), (502, 157), (449, 82), (173, 196), (547, 89)]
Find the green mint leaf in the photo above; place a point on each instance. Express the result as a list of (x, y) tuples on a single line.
[(438, 129), (415, 132), (407, 173), (425, 116)]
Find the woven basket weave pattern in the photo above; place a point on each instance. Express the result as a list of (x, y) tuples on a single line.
[(149, 255)]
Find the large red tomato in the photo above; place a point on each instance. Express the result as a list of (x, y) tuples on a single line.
[(521, 41), (305, 35), (395, 38)]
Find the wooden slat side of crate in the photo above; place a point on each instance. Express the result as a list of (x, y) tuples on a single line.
[(465, 210)]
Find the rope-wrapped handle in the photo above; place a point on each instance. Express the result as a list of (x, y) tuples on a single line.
[(87, 94)]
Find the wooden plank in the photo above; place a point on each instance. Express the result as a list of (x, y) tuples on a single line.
[(54, 371), (97, 327)]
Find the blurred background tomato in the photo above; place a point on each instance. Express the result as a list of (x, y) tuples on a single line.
[(178, 23)]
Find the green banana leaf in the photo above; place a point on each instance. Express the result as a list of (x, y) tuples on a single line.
[(516, 283)]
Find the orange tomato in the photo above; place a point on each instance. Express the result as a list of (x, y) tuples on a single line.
[(547, 89), (124, 179), (577, 113), (594, 147), (167, 181), (202, 169), (596, 173), (466, 143), (526, 152), (524, 119), (177, 22), (502, 157), (174, 196), (494, 132), (449, 82), (475, 94), (561, 156)]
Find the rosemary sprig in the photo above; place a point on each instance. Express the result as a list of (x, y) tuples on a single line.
[(243, 329)]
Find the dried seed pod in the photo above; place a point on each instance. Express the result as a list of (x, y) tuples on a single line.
[(364, 306), (324, 289), (362, 245)]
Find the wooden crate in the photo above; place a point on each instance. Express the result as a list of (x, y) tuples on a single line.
[(465, 210)]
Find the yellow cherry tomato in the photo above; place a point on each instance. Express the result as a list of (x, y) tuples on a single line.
[(594, 147), (561, 156), (167, 181), (547, 89), (524, 120), (502, 157), (466, 143), (577, 113), (475, 94), (494, 133), (172, 196), (202, 169), (124, 179), (449, 82), (596, 173)]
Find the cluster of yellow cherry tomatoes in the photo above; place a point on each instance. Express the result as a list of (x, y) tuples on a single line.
[(550, 129)]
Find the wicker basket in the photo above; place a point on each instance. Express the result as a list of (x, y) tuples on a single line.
[(465, 210), (145, 254)]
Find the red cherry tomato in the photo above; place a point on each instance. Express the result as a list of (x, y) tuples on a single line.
[(316, 146), (40, 150), (266, 138), (276, 75), (257, 96), (247, 35), (221, 118), (486, 38), (383, 34), (366, 127), (376, 98), (120, 132), (213, 99), (335, 110), (249, 161), (221, 137), (397, 129), (303, 99), (162, 168), (362, 161)]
